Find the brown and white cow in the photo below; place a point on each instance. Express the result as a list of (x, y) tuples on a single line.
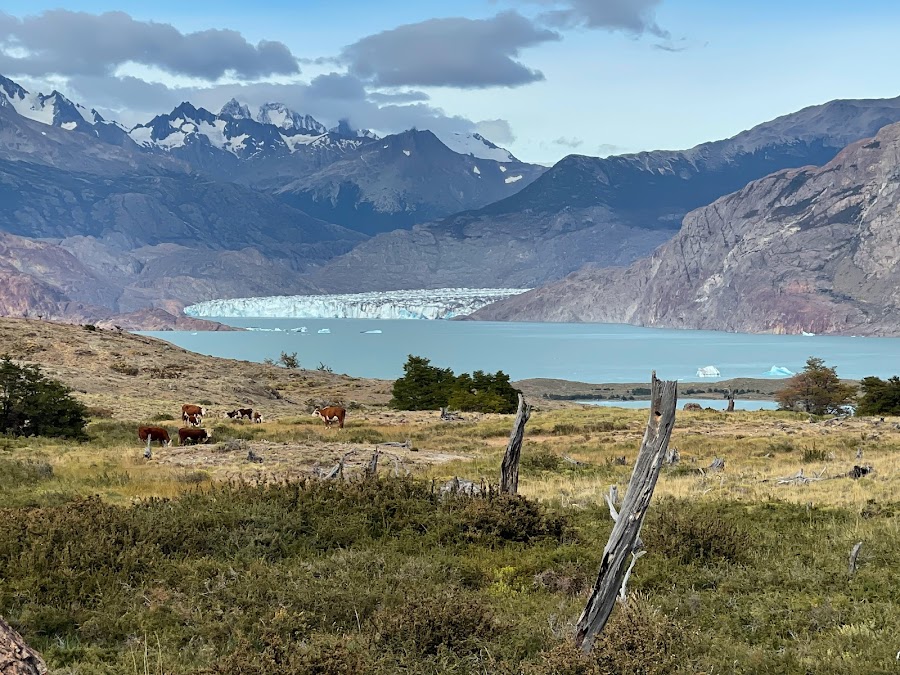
[(257, 418), (241, 413), (331, 414), (150, 434), (193, 435), (194, 420), (189, 409)]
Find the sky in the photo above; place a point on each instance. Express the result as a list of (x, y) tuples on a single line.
[(543, 78)]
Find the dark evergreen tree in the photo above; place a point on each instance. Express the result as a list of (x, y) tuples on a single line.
[(422, 387), (32, 404), (879, 397)]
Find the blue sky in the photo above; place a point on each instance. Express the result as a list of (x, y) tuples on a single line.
[(694, 70)]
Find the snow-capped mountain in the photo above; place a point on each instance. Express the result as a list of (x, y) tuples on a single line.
[(56, 110), (290, 122), (441, 303), (235, 109), (475, 145)]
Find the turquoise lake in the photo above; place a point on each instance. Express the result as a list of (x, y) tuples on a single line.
[(583, 352)]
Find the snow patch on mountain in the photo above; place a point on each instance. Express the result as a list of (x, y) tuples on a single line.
[(512, 179), (442, 303), (279, 115), (475, 145)]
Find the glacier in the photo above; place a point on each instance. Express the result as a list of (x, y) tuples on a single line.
[(441, 303)]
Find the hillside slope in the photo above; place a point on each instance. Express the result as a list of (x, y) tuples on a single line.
[(602, 212), (814, 250)]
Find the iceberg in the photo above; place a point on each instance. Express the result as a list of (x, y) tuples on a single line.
[(323, 331), (441, 303), (779, 371), (371, 332), (708, 371)]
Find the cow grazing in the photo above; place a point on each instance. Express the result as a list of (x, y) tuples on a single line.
[(241, 413), (189, 409), (194, 420), (257, 418), (331, 414), (150, 434), (693, 406), (193, 435)]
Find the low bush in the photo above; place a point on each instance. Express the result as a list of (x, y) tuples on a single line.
[(689, 533)]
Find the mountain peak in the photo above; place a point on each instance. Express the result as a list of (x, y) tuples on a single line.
[(279, 115), (235, 109)]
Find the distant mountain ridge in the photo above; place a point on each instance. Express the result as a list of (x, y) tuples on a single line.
[(597, 212), (803, 250)]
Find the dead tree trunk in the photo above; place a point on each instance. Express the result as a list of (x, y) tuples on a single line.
[(730, 407), (625, 533), (17, 658), (509, 469)]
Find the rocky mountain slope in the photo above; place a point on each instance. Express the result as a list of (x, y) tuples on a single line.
[(594, 211), (812, 249), (405, 179)]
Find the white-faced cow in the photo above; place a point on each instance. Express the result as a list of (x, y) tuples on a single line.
[(193, 435), (150, 434), (194, 420), (189, 409), (331, 414), (241, 413)]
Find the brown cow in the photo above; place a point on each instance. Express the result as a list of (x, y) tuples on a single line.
[(331, 414), (193, 435), (241, 413), (257, 418), (150, 434), (194, 420), (189, 409), (693, 406)]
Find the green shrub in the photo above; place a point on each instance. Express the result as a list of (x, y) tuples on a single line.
[(21, 473), (32, 404), (813, 454), (428, 624), (124, 368), (687, 533)]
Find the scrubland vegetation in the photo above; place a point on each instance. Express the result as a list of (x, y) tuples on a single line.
[(112, 563)]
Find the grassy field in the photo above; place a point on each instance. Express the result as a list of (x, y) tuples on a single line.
[(200, 561)]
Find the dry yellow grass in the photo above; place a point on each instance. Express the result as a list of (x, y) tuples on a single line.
[(758, 447)]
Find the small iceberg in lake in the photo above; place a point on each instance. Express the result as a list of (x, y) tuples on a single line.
[(371, 332), (803, 332), (301, 329), (324, 330), (779, 371), (708, 371)]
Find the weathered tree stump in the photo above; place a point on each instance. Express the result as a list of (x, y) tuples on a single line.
[(509, 469), (854, 556), (625, 534), (16, 657)]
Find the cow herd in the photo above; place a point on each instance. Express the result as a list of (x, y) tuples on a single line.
[(192, 418)]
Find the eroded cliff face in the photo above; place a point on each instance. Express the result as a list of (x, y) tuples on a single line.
[(814, 249)]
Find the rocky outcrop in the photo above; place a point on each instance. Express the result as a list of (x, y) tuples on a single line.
[(594, 211), (808, 250)]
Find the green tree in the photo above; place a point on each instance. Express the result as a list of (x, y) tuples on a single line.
[(484, 392), (422, 387), (879, 397), (817, 390), (32, 404)]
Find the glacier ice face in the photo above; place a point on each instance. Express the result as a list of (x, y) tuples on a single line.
[(442, 303)]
